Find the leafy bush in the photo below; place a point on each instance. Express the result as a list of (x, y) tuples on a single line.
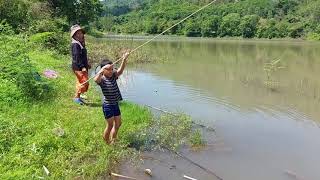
[(196, 139), (248, 25), (210, 26), (313, 36), (15, 12), (296, 30), (44, 25), (230, 25), (5, 28), (17, 73), (95, 33), (267, 29), (9, 93), (192, 29), (52, 40)]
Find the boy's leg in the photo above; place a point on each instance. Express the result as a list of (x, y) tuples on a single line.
[(117, 122), (114, 131), (107, 130)]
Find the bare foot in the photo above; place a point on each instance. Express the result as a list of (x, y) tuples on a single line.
[(112, 142), (106, 140)]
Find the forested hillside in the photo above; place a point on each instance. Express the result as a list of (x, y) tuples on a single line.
[(227, 18)]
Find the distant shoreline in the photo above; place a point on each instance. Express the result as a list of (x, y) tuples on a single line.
[(142, 37)]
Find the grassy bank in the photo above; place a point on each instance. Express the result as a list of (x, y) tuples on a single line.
[(43, 134), (52, 131)]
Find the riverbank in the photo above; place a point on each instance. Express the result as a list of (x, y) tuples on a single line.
[(142, 37), (53, 137)]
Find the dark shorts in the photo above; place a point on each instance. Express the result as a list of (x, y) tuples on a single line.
[(110, 111)]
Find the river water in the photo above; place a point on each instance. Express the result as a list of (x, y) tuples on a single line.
[(261, 97)]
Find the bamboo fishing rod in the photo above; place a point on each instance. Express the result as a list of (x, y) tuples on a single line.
[(147, 42)]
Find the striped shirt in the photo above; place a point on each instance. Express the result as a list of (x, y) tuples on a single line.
[(110, 89)]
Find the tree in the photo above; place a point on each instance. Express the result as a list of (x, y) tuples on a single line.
[(15, 12), (282, 29), (151, 27), (210, 26), (267, 29), (296, 30), (192, 29), (77, 11), (248, 25), (230, 25)]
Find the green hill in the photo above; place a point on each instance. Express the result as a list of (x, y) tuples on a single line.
[(242, 18)]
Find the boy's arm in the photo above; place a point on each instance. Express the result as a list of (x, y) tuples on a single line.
[(99, 75), (123, 64)]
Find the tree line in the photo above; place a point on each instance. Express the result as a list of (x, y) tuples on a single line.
[(226, 18), (34, 16)]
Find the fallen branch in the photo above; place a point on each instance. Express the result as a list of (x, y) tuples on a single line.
[(190, 178), (121, 176)]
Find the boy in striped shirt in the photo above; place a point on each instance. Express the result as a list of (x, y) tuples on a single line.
[(107, 80)]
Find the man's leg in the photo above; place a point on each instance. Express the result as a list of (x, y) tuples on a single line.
[(85, 77), (82, 76), (78, 82)]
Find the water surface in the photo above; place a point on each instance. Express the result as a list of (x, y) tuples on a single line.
[(268, 123)]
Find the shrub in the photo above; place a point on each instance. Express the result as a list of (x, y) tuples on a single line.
[(230, 25), (313, 36), (5, 28), (9, 93), (17, 72), (52, 40), (248, 25)]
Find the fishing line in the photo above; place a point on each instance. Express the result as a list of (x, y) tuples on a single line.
[(147, 42)]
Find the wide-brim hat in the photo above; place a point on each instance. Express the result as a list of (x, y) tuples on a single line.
[(76, 28)]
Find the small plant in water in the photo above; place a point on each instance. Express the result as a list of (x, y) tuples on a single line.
[(270, 69), (174, 130), (196, 140), (167, 131)]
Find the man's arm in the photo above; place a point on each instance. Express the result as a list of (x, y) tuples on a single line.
[(76, 57)]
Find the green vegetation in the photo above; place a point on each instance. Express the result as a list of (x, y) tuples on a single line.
[(168, 131), (34, 16), (172, 131), (41, 126), (196, 140), (225, 18), (271, 69), (114, 50), (44, 134)]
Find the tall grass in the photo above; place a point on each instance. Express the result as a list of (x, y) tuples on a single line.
[(104, 48)]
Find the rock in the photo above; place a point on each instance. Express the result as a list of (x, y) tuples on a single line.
[(148, 171)]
